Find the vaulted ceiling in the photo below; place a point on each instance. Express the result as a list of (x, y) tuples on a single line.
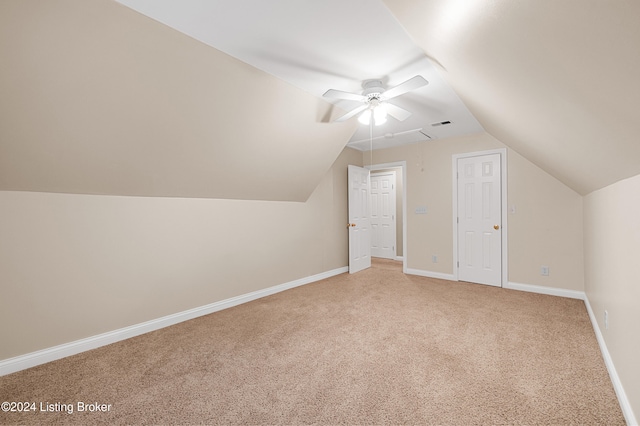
[(99, 99), (558, 81)]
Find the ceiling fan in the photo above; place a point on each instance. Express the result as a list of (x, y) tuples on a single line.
[(375, 100)]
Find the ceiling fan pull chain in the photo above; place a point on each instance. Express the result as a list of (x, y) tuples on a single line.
[(371, 143)]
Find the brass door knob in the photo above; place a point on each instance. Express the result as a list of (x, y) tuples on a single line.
[(496, 226), (350, 224)]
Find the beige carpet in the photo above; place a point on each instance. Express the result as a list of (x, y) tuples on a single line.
[(376, 347)]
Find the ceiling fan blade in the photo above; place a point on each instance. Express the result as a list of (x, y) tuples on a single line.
[(352, 113), (402, 88), (396, 112), (339, 94)]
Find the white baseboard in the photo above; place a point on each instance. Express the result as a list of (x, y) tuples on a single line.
[(613, 374), (571, 294), (400, 258), (430, 274), (21, 362), (615, 379)]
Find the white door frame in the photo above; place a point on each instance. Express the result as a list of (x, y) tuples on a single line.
[(503, 197), (403, 166)]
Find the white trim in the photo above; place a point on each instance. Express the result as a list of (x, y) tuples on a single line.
[(503, 200), (403, 165), (551, 291), (21, 362), (400, 258), (627, 411), (430, 274)]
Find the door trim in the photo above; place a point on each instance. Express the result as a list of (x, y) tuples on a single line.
[(403, 166), (503, 200)]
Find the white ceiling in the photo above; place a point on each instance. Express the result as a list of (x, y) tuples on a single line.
[(321, 45)]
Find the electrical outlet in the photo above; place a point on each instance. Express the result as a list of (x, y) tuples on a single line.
[(606, 320), (544, 270), (434, 259)]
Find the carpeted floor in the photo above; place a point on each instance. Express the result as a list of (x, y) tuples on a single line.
[(377, 347)]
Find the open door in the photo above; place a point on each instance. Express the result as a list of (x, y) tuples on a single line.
[(359, 219)]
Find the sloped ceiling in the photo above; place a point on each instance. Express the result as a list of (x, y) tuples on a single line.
[(558, 81), (98, 99)]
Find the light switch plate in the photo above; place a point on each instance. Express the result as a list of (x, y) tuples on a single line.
[(421, 210)]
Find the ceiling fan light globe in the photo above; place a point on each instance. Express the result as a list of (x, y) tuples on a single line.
[(380, 115), (380, 121), (365, 117)]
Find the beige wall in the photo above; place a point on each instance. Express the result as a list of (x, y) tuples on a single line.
[(531, 85), (99, 99), (73, 266), (612, 271), (545, 230)]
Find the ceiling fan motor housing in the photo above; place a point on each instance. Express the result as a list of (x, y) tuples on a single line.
[(372, 89)]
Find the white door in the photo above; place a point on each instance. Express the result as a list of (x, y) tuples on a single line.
[(479, 220), (359, 219), (383, 215)]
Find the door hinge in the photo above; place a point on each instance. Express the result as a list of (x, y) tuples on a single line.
[(458, 264), (457, 220)]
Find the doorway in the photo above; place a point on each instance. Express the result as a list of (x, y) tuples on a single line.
[(400, 169), (359, 258)]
